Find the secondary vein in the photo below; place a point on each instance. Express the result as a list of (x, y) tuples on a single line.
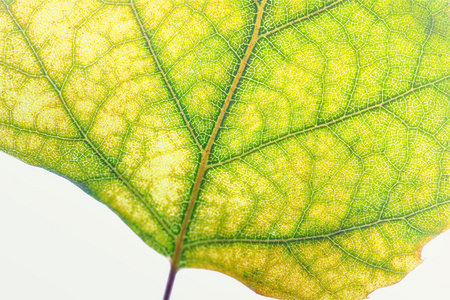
[(294, 21), (329, 123), (80, 129), (320, 236), (164, 75)]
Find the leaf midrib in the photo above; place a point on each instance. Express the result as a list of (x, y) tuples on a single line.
[(203, 167)]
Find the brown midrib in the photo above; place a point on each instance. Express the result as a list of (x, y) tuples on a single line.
[(207, 151)]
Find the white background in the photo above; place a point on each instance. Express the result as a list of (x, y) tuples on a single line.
[(57, 243)]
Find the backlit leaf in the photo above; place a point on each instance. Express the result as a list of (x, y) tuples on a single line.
[(301, 147)]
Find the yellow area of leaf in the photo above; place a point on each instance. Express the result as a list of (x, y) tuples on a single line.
[(301, 147)]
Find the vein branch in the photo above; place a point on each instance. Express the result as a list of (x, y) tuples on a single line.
[(164, 74), (294, 21)]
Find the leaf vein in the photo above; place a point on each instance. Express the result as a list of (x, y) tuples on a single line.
[(78, 126), (164, 75), (332, 122)]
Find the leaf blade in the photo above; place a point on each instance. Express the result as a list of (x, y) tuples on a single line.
[(324, 154)]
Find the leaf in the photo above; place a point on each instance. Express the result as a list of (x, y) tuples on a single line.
[(301, 147)]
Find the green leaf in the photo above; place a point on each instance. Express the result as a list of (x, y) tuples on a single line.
[(301, 147)]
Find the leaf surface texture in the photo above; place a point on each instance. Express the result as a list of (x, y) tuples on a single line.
[(301, 147)]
